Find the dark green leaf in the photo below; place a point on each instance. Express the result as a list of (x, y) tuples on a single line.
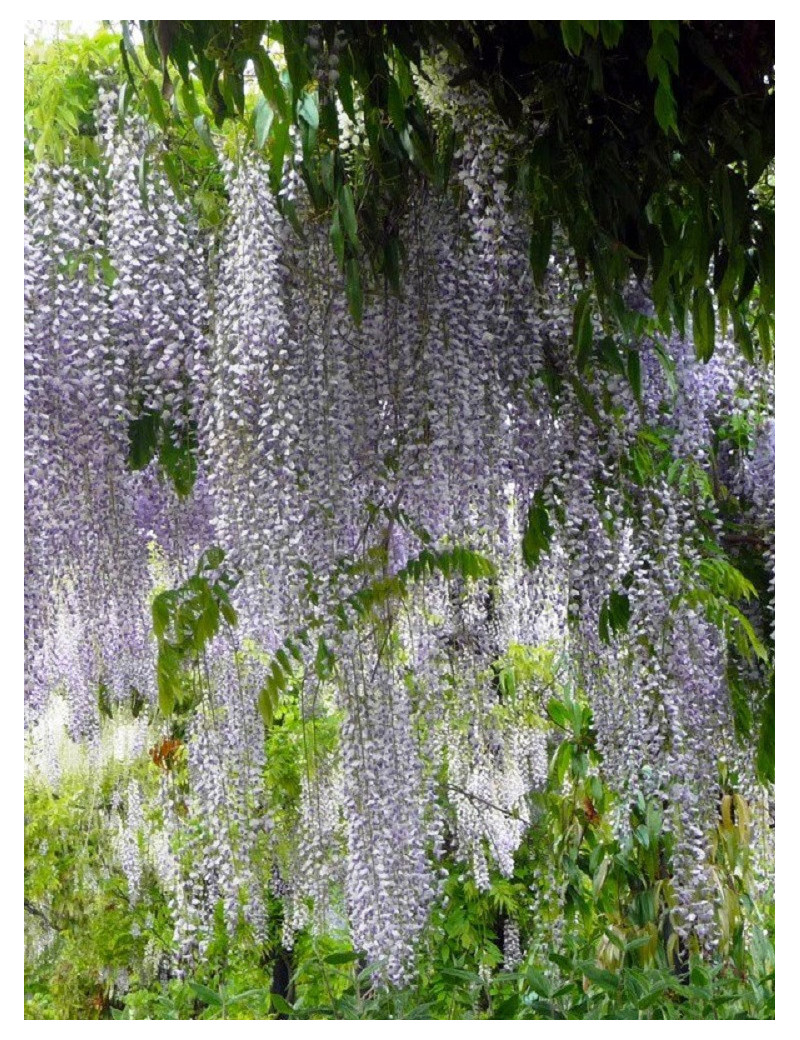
[(572, 35), (703, 323), (142, 440), (397, 108), (611, 32), (764, 329), (265, 701), (558, 713), (538, 531), (541, 244), (354, 292), (348, 213), (208, 996), (665, 108), (344, 957), (765, 761), (508, 1009)]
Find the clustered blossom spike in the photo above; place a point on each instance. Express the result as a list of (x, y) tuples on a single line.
[(130, 830), (329, 456), (389, 878)]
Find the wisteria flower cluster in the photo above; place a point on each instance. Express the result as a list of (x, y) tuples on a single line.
[(328, 456)]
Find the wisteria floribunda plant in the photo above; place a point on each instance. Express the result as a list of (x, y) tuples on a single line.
[(413, 507)]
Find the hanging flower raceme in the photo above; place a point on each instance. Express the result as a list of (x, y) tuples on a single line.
[(172, 402)]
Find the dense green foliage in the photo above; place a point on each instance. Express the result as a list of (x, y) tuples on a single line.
[(646, 142)]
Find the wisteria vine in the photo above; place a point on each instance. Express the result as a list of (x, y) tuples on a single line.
[(325, 458)]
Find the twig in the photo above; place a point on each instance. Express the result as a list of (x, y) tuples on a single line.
[(478, 798)]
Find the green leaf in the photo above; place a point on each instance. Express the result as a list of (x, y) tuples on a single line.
[(128, 47), (270, 83), (307, 110), (280, 1005), (178, 459), (538, 531), (264, 117), (561, 761), (142, 440), (600, 876), (208, 996), (508, 1009), (538, 983), (265, 700), (172, 170), (396, 105), (558, 713), (161, 611), (723, 184), (189, 99), (344, 957), (539, 250), (602, 624), (124, 101), (764, 329), (606, 980), (703, 323), (211, 559), (155, 103), (665, 108), (279, 146), (347, 211), (619, 611), (572, 35), (337, 237), (611, 32), (354, 292), (294, 49), (609, 356), (167, 673), (246, 994), (766, 268), (765, 759), (345, 86), (201, 128)]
